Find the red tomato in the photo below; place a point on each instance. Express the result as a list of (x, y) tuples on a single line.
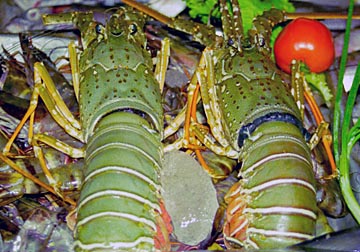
[(307, 40)]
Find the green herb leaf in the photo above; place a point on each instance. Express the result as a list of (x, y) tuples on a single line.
[(202, 9), (318, 80), (252, 8), (249, 9)]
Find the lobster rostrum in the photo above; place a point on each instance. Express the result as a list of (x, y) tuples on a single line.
[(121, 124), (254, 118)]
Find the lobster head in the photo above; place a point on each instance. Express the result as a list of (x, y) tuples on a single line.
[(128, 23)]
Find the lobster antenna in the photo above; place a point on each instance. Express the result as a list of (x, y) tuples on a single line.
[(313, 15), (110, 10), (237, 20), (227, 22), (150, 12), (202, 33), (319, 15)]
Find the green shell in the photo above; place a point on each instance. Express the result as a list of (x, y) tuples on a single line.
[(117, 75), (249, 86)]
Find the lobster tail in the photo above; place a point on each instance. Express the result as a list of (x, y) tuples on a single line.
[(274, 203), (119, 202)]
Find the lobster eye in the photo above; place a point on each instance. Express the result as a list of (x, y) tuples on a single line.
[(99, 29), (133, 29), (230, 42), (261, 41)]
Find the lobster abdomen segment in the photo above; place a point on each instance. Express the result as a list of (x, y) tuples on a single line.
[(276, 197), (119, 201)]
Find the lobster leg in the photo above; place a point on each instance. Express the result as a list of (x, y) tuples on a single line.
[(79, 19), (45, 88), (205, 76), (75, 69), (203, 80), (162, 62), (301, 92), (297, 87), (68, 177), (28, 175), (175, 124)]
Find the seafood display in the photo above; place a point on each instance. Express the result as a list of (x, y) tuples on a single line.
[(88, 135)]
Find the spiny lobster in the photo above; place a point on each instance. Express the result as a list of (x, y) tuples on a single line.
[(121, 123), (254, 118)]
